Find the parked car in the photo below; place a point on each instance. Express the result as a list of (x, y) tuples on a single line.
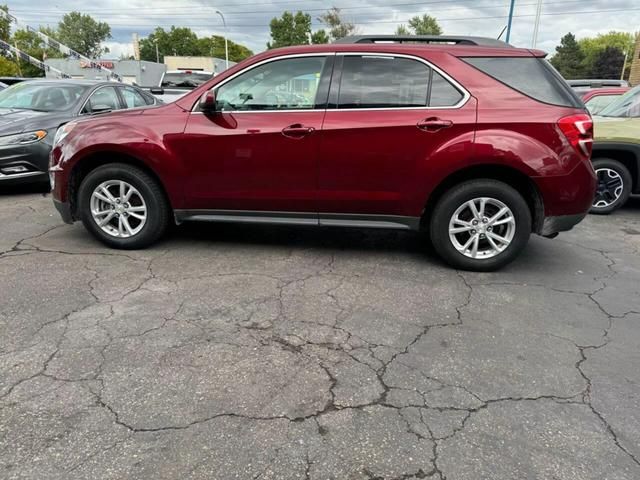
[(616, 152), (177, 83), (596, 99), (475, 141), (31, 112), (8, 81), (597, 83)]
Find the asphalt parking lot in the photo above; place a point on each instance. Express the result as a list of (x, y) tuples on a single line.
[(246, 352)]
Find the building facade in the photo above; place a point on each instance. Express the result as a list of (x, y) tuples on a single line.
[(204, 64), (634, 77), (144, 74)]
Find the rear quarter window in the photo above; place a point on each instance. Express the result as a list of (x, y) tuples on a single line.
[(531, 76)]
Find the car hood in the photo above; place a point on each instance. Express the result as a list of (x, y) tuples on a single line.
[(614, 129), (17, 121)]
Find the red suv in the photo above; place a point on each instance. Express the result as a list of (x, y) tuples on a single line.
[(469, 138)]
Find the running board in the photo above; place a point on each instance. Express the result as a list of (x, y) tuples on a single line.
[(294, 218)]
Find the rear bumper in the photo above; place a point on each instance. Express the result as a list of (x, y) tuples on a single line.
[(64, 209), (562, 223)]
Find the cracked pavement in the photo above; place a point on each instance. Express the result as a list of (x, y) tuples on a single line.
[(253, 352)]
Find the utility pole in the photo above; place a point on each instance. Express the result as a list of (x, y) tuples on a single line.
[(513, 4), (226, 45), (157, 53), (536, 26)]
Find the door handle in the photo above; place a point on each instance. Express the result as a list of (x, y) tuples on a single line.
[(433, 124), (297, 130)]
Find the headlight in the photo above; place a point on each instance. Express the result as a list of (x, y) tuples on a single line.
[(62, 132), (22, 138)]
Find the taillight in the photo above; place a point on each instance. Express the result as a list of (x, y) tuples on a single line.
[(579, 131)]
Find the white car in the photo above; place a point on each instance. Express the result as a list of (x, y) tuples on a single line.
[(177, 83)]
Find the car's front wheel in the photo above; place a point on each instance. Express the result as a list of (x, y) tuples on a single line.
[(123, 206), (614, 185), (480, 225)]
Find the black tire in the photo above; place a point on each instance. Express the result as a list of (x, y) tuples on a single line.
[(606, 193), (158, 210), (460, 194)]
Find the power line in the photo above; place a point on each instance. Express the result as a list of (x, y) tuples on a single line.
[(459, 19), (199, 8)]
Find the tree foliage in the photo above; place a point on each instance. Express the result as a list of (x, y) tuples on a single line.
[(5, 25), (184, 42), (338, 27), (588, 57), (593, 46), (32, 44), (569, 57), (290, 29), (83, 34), (295, 29), (420, 25), (608, 63), (319, 37), (8, 68)]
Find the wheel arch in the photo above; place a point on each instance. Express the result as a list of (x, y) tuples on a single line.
[(509, 175), (90, 162), (626, 153)]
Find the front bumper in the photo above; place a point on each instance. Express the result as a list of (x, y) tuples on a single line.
[(24, 163)]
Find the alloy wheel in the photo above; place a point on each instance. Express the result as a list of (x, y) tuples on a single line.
[(482, 228), (610, 187), (118, 208)]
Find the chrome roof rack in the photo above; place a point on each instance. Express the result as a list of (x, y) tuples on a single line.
[(433, 39)]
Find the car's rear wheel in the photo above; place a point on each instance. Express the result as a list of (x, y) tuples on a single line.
[(480, 225), (614, 185), (123, 206)]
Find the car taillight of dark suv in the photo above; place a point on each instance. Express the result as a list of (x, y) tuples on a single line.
[(469, 138)]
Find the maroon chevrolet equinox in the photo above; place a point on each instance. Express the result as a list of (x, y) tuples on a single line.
[(475, 141)]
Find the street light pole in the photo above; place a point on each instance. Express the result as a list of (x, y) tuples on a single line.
[(226, 45), (536, 27), (508, 37)]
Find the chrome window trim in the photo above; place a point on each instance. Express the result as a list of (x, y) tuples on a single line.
[(465, 94)]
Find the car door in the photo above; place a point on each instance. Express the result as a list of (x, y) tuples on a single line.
[(259, 151), (387, 115)]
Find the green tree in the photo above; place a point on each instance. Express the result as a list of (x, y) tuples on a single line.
[(290, 29), (593, 46), (338, 27), (83, 34), (8, 68), (31, 43), (176, 41), (319, 37), (608, 63), (5, 25), (569, 57), (420, 25), (214, 47)]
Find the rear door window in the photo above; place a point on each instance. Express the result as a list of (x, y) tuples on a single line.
[(532, 76), (370, 81)]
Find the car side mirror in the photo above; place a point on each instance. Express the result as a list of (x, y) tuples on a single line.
[(208, 102), (157, 90), (96, 109)]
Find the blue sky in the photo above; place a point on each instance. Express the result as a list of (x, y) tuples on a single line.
[(248, 20)]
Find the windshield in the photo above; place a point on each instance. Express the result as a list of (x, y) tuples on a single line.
[(41, 97), (185, 79), (628, 105)]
